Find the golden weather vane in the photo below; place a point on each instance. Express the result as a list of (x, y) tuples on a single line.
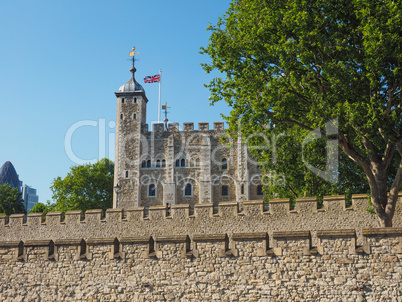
[(132, 54)]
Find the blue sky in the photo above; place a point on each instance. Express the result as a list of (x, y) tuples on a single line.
[(62, 61)]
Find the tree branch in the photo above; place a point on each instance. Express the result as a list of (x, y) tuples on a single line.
[(271, 115), (354, 155)]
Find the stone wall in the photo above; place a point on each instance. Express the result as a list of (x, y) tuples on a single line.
[(207, 268), (253, 253)]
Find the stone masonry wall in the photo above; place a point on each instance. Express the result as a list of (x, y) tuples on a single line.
[(203, 254), (208, 268)]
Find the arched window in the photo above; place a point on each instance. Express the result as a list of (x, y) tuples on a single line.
[(242, 189), (151, 190), (134, 116), (183, 162), (144, 164), (122, 101), (225, 190), (163, 163), (188, 190), (224, 164), (259, 190), (177, 162), (197, 162), (158, 163), (149, 163), (126, 174)]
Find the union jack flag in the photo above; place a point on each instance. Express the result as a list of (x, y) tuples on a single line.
[(152, 79)]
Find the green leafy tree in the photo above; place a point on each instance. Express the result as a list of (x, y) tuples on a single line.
[(42, 208), (85, 187), (289, 176), (299, 64), (11, 201)]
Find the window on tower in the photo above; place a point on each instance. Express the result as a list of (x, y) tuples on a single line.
[(177, 163), (225, 190), (188, 190), (183, 162), (163, 163), (259, 190), (151, 190), (224, 164), (158, 163), (149, 163), (134, 116), (144, 164)]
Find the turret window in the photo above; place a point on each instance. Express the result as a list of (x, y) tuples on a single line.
[(121, 116), (134, 116), (242, 189), (188, 190), (225, 190), (151, 190), (224, 164), (259, 190), (163, 163), (158, 163), (126, 174), (135, 100), (183, 163), (177, 162), (144, 164), (149, 163)]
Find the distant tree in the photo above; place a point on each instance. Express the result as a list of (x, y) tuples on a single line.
[(88, 186), (289, 64), (11, 201), (42, 208)]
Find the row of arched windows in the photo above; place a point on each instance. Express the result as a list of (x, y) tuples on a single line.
[(188, 190), (123, 100), (148, 163), (194, 162)]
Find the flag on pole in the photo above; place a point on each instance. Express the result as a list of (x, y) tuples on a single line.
[(153, 79)]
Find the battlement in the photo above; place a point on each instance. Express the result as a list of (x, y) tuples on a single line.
[(202, 127), (226, 217), (203, 266), (297, 243)]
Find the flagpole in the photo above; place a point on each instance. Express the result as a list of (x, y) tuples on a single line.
[(159, 108)]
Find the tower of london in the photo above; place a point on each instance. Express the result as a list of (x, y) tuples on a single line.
[(169, 165)]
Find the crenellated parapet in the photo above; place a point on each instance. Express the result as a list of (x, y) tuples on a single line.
[(340, 244), (205, 218)]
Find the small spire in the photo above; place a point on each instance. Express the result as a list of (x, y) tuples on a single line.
[(132, 54), (165, 107)]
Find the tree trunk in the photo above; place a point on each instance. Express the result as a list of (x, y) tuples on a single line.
[(384, 203)]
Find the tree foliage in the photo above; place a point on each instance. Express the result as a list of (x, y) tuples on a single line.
[(85, 187), (295, 65), (11, 201), (42, 208)]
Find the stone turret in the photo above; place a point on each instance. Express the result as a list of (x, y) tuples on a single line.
[(130, 122)]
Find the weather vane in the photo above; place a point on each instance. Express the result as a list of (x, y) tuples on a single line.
[(165, 107), (132, 54)]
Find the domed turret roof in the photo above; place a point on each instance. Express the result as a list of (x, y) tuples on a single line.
[(132, 85), (8, 175)]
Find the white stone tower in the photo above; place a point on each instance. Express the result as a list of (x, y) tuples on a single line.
[(130, 121)]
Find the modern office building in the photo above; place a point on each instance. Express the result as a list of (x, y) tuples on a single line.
[(30, 197), (9, 176)]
